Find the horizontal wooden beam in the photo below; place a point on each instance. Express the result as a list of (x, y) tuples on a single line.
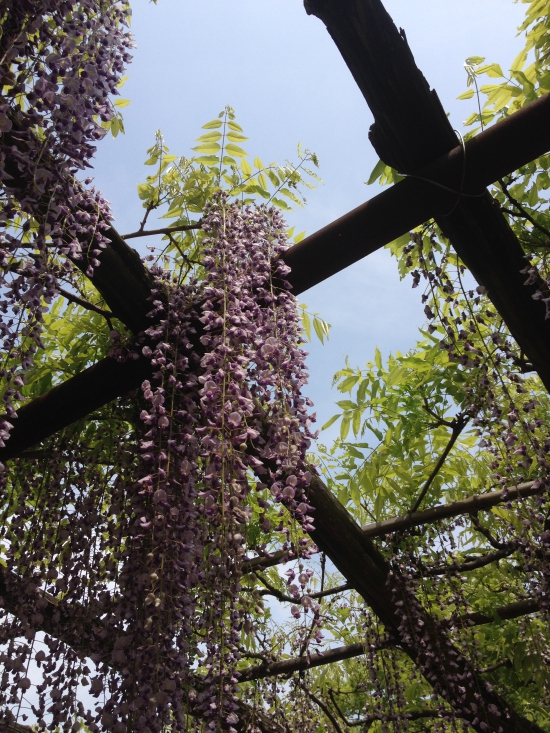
[(477, 503), (73, 400), (493, 154)]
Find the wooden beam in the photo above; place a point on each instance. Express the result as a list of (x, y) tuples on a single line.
[(362, 565), (73, 400), (409, 132), (493, 154), (409, 118), (122, 279)]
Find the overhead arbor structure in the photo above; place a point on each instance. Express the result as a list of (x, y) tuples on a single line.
[(444, 180)]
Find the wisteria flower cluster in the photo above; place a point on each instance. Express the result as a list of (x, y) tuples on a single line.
[(60, 63), (157, 572), (212, 394)]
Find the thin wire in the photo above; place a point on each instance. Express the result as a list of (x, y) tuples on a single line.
[(460, 194)]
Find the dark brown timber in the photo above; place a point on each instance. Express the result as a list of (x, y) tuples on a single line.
[(358, 560), (122, 279), (73, 400), (411, 131), (500, 150)]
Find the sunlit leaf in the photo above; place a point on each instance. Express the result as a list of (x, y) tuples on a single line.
[(331, 421)]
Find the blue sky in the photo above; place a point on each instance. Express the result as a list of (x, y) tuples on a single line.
[(286, 80)]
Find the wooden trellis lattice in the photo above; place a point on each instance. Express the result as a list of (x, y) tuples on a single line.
[(412, 134)]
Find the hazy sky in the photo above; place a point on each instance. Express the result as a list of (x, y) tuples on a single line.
[(286, 80)]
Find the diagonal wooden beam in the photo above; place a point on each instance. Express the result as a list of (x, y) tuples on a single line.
[(410, 131), (363, 566)]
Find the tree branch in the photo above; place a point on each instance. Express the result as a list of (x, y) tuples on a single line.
[(497, 665), (479, 562), (327, 711), (458, 426), (479, 502), (165, 230), (262, 562), (486, 533), (338, 654), (406, 714), (337, 707), (272, 591), (86, 304)]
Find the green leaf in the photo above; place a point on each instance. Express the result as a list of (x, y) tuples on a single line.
[(144, 191), (121, 102), (331, 421), (235, 150), (262, 181), (306, 323), (354, 452), (234, 126), (378, 358), (212, 125), (299, 237), (493, 70), (348, 384), (378, 506), (376, 172), (153, 160), (344, 427), (207, 148), (319, 330), (258, 164), (396, 376), (361, 392), (356, 422), (346, 405), (355, 494), (209, 137), (519, 61), (374, 430), (246, 167), (281, 204), (474, 60), (209, 160), (270, 174), (466, 95), (234, 137)]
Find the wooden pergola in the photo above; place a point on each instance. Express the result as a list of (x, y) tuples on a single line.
[(412, 134)]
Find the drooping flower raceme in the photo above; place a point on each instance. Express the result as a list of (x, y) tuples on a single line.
[(224, 405), (156, 573), (60, 62)]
